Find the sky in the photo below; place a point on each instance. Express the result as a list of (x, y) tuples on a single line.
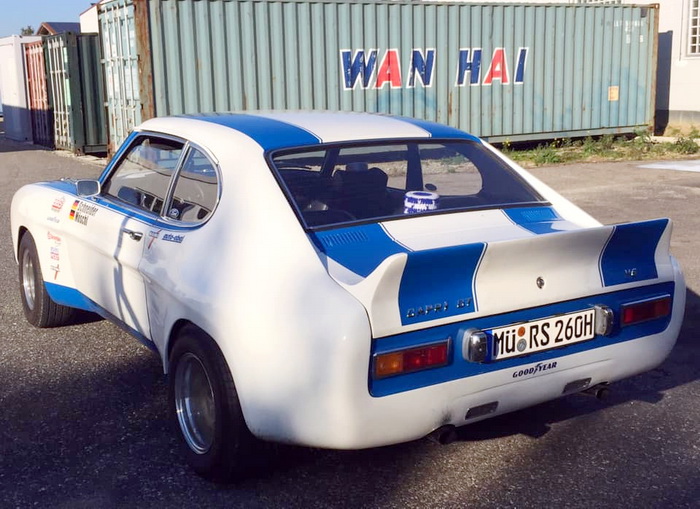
[(16, 14)]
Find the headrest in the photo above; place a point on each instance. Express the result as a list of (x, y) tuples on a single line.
[(356, 167)]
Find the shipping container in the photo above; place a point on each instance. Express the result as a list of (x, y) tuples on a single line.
[(37, 94), (15, 108), (501, 71), (121, 70), (76, 92)]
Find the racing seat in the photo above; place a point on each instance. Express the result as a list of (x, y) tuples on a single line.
[(361, 191)]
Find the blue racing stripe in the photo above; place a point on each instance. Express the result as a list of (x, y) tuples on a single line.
[(629, 254), (66, 296), (73, 298), (269, 133), (438, 283), (538, 220), (438, 130), (360, 249)]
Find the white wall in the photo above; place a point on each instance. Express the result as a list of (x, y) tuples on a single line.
[(89, 24), (14, 88), (684, 69)]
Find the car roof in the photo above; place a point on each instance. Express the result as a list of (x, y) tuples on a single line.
[(275, 130)]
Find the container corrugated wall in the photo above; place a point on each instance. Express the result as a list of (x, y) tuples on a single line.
[(76, 92), (499, 71), (120, 65), (37, 94)]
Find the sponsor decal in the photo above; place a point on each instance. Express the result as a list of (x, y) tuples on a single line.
[(56, 269), (438, 307), (169, 237), (55, 254), (56, 239), (368, 70), (537, 368), (58, 204), (153, 235), (53, 219), (81, 212)]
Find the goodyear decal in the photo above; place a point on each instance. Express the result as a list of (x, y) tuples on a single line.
[(368, 69)]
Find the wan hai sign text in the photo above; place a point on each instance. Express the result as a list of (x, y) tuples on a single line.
[(365, 69)]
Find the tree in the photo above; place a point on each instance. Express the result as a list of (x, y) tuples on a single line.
[(28, 30)]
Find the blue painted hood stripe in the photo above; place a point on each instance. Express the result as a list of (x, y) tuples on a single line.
[(629, 255), (269, 133)]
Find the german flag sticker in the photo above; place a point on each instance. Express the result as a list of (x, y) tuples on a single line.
[(73, 209)]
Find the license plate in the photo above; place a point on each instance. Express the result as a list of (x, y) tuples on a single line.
[(540, 335)]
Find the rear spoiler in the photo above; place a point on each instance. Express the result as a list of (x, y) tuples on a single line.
[(409, 290)]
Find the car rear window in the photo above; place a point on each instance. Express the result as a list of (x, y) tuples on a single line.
[(347, 183)]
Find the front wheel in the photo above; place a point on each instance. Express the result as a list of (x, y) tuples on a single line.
[(38, 307), (205, 408)]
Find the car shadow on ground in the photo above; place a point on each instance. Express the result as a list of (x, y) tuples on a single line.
[(99, 435)]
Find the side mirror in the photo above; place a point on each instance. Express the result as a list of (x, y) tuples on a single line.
[(87, 187)]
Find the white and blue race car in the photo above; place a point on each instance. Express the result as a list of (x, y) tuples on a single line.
[(343, 280)]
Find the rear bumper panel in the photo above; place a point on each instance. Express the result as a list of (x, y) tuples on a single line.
[(459, 368)]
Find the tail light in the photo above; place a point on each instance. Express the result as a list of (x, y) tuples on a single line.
[(645, 310), (409, 360)]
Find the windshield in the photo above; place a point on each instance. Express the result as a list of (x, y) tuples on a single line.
[(342, 184)]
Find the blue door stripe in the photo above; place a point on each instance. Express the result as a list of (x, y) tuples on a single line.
[(73, 298)]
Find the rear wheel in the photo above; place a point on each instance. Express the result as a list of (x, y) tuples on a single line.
[(38, 307), (205, 408)]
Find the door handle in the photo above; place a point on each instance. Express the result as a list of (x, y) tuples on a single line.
[(133, 234)]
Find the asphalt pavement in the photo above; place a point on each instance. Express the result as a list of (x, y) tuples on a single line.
[(83, 408)]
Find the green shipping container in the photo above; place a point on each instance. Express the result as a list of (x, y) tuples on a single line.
[(76, 92), (500, 71)]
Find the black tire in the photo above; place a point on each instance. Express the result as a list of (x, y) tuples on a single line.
[(38, 307), (204, 406)]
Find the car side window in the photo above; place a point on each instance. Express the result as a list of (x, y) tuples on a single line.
[(196, 189), (142, 177)]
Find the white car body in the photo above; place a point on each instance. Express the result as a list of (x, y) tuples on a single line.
[(299, 324)]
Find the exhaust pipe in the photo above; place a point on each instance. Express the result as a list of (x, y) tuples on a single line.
[(600, 391), (444, 435)]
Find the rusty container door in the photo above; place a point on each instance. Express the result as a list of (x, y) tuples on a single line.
[(38, 97)]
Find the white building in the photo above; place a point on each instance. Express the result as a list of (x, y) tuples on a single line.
[(678, 76)]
